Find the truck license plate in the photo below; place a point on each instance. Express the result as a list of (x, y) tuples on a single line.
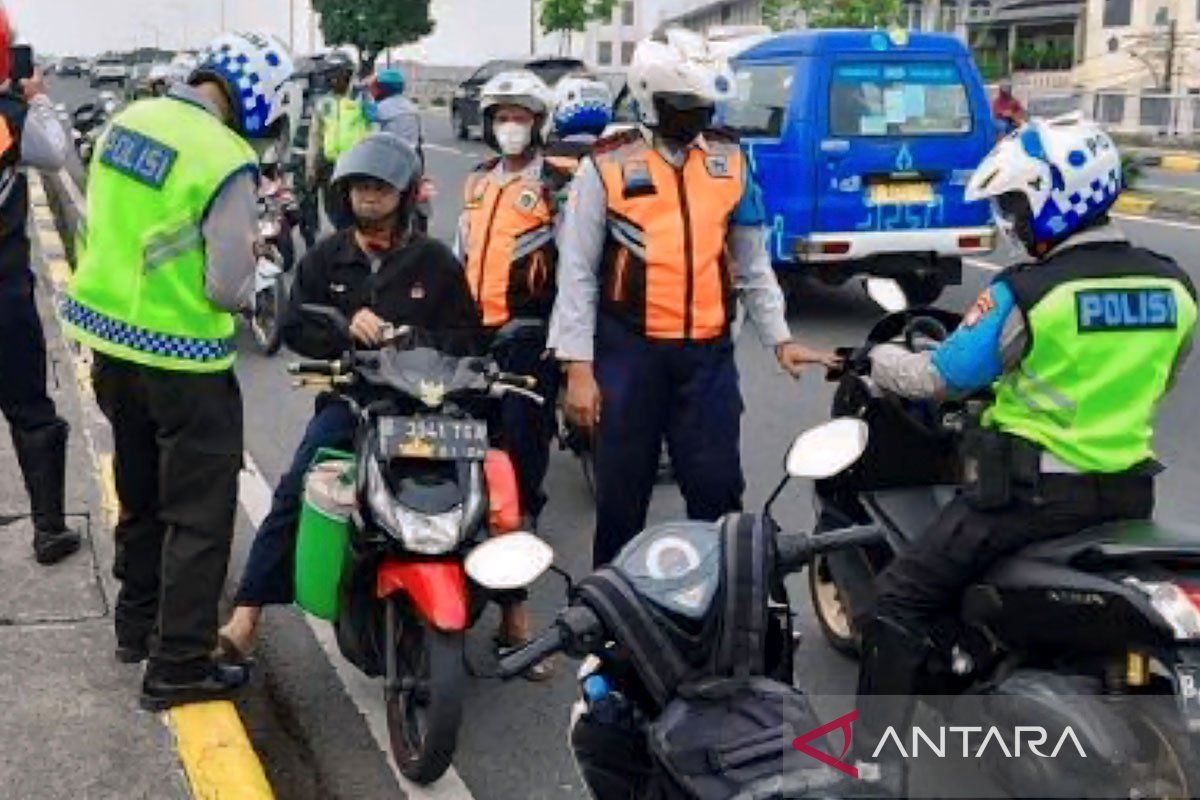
[(901, 193)]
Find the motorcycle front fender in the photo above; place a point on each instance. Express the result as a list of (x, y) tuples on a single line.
[(437, 590)]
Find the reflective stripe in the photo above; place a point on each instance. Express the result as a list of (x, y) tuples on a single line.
[(1018, 387), (169, 246), (1060, 400), (142, 340), (628, 237), (534, 240)]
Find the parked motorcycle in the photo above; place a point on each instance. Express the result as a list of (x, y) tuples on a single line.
[(687, 646), (271, 276), (89, 121), (1065, 625), (428, 491)]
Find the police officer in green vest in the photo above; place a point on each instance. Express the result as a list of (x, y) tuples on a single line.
[(340, 121), (167, 260), (1078, 347)]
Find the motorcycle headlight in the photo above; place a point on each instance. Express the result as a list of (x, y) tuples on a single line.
[(1177, 605), (426, 534)]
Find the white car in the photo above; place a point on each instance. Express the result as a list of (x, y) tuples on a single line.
[(109, 69)]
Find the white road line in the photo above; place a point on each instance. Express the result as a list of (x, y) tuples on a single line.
[(367, 694), (979, 263), (441, 148), (1170, 223)]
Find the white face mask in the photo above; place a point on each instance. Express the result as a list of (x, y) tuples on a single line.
[(513, 138)]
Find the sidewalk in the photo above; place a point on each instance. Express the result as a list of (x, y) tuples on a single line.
[(71, 727)]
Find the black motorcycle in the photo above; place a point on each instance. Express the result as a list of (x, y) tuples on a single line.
[(1102, 627), (686, 686)]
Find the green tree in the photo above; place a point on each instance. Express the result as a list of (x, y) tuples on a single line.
[(373, 26), (572, 16), (852, 13), (782, 15)]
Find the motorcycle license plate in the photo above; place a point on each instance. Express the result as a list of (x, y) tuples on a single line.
[(904, 193), (435, 438)]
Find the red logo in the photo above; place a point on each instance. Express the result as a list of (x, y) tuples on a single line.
[(842, 723)]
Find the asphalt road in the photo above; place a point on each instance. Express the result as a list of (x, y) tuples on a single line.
[(512, 745)]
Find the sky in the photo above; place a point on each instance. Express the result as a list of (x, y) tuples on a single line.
[(468, 31)]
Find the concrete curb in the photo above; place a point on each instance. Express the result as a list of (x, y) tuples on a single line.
[(1134, 204), (210, 739), (1180, 163)]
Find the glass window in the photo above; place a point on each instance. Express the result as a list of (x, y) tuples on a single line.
[(1117, 12), (627, 14), (1110, 108), (890, 99), (627, 52), (604, 53), (1155, 111), (760, 106)]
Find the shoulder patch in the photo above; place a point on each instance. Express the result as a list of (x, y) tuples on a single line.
[(985, 304), (139, 157)]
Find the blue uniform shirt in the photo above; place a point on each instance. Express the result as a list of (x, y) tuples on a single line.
[(973, 357)]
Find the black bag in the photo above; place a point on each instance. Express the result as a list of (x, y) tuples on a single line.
[(725, 729)]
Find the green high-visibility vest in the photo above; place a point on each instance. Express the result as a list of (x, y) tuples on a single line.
[(1107, 327), (344, 124), (138, 293)]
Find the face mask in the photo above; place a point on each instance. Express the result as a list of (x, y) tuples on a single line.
[(513, 138), (682, 127)]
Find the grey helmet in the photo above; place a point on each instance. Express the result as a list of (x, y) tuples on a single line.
[(383, 156)]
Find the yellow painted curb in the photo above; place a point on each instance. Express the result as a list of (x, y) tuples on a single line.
[(217, 755), (1180, 163), (1133, 204), (210, 738)]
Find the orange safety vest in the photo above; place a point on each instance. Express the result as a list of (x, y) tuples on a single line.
[(665, 271), (511, 256)]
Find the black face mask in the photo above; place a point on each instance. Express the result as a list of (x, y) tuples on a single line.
[(682, 127)]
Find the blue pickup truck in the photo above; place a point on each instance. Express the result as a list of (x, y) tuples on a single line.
[(863, 142)]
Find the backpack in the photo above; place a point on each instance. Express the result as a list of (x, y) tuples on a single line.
[(725, 729)]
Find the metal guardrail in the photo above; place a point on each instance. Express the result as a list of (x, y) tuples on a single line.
[(68, 206)]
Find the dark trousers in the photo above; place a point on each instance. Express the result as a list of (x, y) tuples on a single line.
[(23, 397), (527, 429), (270, 569), (178, 451), (919, 593), (687, 393)]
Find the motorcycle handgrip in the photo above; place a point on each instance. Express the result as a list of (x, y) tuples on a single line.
[(546, 644), (312, 368), (524, 381), (795, 550)]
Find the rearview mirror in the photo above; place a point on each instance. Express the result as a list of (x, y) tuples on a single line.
[(887, 294), (509, 561), (826, 450)]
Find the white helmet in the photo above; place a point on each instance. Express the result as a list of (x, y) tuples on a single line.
[(683, 65), (1048, 180), (582, 105), (518, 87), (253, 68)]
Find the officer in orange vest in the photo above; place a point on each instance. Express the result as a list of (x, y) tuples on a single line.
[(506, 241), (664, 226)]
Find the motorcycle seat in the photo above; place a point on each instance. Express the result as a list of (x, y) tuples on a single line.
[(1124, 541)]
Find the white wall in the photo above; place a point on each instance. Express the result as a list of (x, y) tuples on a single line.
[(469, 32)]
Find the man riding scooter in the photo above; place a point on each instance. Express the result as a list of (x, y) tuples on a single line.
[(1078, 348)]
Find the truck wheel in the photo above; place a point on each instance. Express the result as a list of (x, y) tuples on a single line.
[(922, 290)]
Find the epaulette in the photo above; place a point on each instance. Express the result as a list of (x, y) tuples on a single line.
[(615, 141), (488, 165), (720, 133)]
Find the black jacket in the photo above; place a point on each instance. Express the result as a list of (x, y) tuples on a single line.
[(420, 284)]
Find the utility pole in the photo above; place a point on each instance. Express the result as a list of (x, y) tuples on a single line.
[(1172, 43), (223, 29), (532, 27), (292, 26)]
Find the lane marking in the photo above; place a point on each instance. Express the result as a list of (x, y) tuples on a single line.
[(1170, 223), (441, 148), (979, 263), (1154, 187), (210, 738), (366, 693), (216, 753)]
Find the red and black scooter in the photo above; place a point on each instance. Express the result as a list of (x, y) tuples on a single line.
[(432, 500)]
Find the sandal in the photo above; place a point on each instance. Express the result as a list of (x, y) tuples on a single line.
[(227, 652), (539, 672)]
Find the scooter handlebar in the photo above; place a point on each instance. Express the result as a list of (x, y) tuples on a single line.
[(313, 368), (547, 643), (794, 550)]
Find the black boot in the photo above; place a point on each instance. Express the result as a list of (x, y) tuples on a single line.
[(209, 681), (42, 454), (893, 673)]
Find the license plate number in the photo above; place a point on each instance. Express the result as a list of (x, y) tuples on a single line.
[(435, 438), (901, 194)]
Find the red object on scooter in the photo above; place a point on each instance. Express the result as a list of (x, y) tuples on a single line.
[(504, 496), (437, 589)]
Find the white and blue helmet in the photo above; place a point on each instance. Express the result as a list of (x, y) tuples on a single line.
[(253, 68), (582, 105), (1049, 179)]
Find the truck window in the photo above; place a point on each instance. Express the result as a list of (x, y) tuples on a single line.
[(760, 104), (893, 99)]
